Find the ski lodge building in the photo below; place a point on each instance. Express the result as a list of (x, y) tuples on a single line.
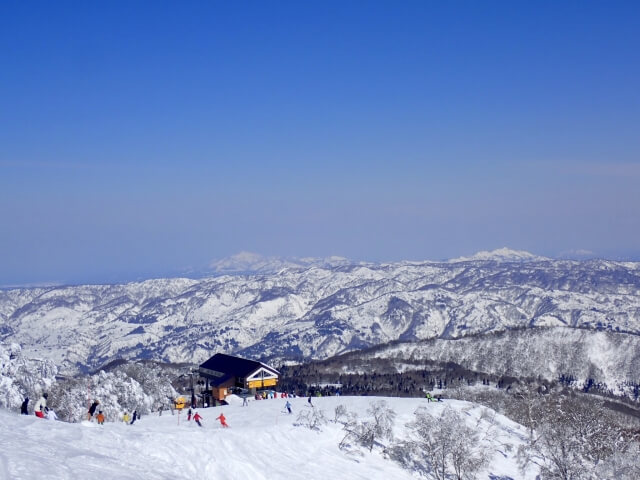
[(226, 372)]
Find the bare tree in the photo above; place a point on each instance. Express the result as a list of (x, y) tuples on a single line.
[(443, 446), (339, 413), (312, 418), (621, 465), (369, 432), (381, 424), (575, 438), (350, 427)]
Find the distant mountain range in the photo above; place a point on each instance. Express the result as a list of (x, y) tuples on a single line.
[(247, 262), (300, 309)]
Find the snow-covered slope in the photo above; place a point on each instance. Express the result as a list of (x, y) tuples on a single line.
[(261, 443), (319, 311)]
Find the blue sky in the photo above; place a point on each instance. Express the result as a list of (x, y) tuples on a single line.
[(139, 139)]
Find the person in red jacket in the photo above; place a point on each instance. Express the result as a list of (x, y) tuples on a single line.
[(197, 418), (223, 420)]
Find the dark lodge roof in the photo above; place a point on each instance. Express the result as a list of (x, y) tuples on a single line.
[(235, 366)]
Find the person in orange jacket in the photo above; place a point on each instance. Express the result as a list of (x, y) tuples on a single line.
[(223, 420), (100, 418)]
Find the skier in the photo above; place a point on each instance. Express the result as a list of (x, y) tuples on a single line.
[(223, 420), (428, 397), (24, 406), (288, 405), (100, 418), (125, 417), (309, 401), (160, 410), (197, 418), (135, 417), (39, 406), (189, 415), (92, 410)]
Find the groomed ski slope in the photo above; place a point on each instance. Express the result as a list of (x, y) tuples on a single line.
[(261, 443)]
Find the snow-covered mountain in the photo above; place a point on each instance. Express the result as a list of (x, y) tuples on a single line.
[(501, 255), (302, 312), (249, 262)]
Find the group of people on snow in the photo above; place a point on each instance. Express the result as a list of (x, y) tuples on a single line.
[(432, 398), (40, 409), (100, 416), (197, 417)]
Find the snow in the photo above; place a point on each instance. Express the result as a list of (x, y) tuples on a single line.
[(262, 443)]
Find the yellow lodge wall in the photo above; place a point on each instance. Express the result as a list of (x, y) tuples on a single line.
[(267, 382)]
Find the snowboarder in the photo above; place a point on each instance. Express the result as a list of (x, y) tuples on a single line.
[(189, 415), (428, 397), (100, 418), (197, 418), (288, 405), (223, 420), (24, 407), (92, 410), (135, 417), (39, 406)]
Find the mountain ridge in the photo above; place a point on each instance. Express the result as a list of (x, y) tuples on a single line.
[(316, 311)]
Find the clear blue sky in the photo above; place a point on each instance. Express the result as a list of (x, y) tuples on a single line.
[(139, 139)]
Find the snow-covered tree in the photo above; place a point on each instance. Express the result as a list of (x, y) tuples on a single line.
[(574, 438), (621, 465), (443, 446), (312, 418), (22, 377), (377, 427), (339, 413)]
